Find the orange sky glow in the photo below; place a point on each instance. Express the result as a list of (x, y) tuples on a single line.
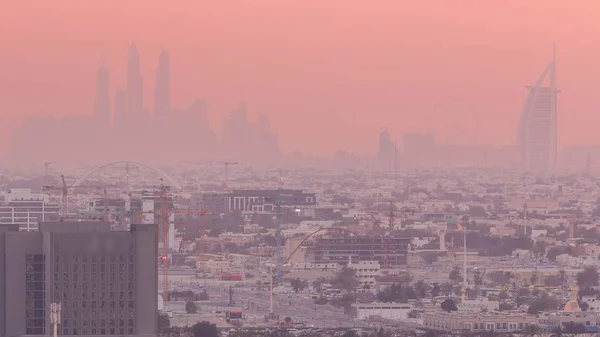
[(328, 73)]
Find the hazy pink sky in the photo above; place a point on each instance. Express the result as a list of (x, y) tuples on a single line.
[(329, 73)]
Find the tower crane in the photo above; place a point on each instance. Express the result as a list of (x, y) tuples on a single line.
[(227, 163), (164, 213), (376, 224), (46, 165), (64, 191)]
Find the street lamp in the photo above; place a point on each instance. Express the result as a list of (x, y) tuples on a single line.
[(55, 317)]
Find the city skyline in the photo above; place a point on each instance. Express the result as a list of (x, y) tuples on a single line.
[(138, 131), (352, 78)]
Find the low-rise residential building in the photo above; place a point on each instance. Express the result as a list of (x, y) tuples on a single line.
[(366, 272), (477, 322)]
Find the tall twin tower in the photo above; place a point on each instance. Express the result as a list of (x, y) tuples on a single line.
[(537, 134), (129, 103)]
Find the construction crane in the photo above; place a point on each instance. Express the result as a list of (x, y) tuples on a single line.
[(64, 190), (164, 213), (376, 224), (46, 165), (64, 197), (227, 163)]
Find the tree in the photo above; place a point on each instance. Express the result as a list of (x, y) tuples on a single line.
[(563, 278), (421, 289), (531, 330), (191, 307), (449, 305), (573, 328), (587, 278), (454, 275), (298, 285), (346, 279), (505, 306), (288, 320), (164, 321), (544, 302), (435, 290), (396, 293), (533, 279), (413, 314), (205, 329), (345, 302), (478, 277), (318, 285), (447, 288)]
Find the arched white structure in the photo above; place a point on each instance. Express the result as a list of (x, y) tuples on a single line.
[(537, 135), (162, 174)]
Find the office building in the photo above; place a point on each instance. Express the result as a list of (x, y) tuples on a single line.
[(266, 200), (106, 282), (26, 209)]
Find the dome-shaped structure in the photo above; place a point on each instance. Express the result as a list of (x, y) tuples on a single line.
[(573, 304)]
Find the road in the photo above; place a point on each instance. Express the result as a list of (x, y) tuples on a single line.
[(255, 303)]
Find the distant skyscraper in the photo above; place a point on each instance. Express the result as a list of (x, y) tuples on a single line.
[(135, 84), (120, 107), (537, 137), (102, 105), (162, 94), (386, 151)]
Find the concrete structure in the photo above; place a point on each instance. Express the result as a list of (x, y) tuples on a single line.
[(339, 248), (366, 272), (105, 281), (395, 311), (537, 135), (477, 322), (27, 208)]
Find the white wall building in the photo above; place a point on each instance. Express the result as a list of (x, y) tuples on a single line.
[(396, 311), (366, 271), (26, 208)]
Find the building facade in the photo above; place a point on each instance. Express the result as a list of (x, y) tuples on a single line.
[(26, 209), (105, 281), (257, 200), (392, 251), (477, 322)]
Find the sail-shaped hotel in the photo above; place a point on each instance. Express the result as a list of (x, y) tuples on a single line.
[(537, 138)]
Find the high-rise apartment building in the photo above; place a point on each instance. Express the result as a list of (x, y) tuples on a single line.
[(106, 282), (162, 93), (135, 84), (387, 151), (120, 107), (102, 105), (537, 135)]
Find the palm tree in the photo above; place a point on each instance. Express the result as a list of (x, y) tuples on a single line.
[(531, 330), (563, 278)]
